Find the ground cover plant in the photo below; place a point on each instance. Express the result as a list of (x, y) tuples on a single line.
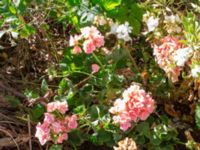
[(99, 74)]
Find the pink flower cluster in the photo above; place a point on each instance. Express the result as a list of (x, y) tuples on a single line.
[(164, 56), (135, 105), (56, 128), (90, 39)]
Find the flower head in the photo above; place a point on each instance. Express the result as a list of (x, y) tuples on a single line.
[(164, 56), (135, 105), (90, 39), (95, 68), (126, 144), (152, 23), (76, 50), (62, 107), (55, 128), (195, 71), (88, 46), (121, 31), (182, 55), (62, 137), (71, 122), (43, 132)]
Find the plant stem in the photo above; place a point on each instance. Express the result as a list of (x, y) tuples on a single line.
[(130, 56), (98, 60)]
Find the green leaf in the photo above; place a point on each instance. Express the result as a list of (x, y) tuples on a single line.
[(155, 140), (97, 111), (93, 112), (144, 129), (73, 2), (31, 94), (45, 27), (75, 137), (167, 147), (197, 115), (135, 24), (27, 30), (13, 101), (56, 147), (63, 86), (140, 140), (37, 112), (93, 138), (80, 109), (110, 4), (136, 11), (117, 136), (105, 137), (12, 9), (44, 86)]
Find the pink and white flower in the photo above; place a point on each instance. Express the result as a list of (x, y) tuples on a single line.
[(56, 128), (62, 107), (90, 39), (62, 137), (71, 122), (88, 46), (136, 105), (43, 132), (164, 56)]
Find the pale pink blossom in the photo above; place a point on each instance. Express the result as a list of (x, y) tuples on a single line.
[(71, 122), (42, 132), (62, 107), (62, 137), (49, 118), (74, 40), (88, 46), (98, 41), (95, 68), (76, 50), (125, 121), (56, 127), (90, 39), (136, 105), (119, 106), (89, 32), (164, 56)]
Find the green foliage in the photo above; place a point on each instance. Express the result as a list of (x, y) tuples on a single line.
[(192, 29), (12, 14), (90, 95), (13, 101), (31, 94), (144, 129), (27, 30), (134, 14), (161, 136), (44, 86), (197, 115), (63, 86), (110, 4), (56, 147), (37, 112), (76, 137)]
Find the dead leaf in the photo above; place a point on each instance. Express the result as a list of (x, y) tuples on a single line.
[(192, 108), (145, 77), (169, 109), (191, 96)]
